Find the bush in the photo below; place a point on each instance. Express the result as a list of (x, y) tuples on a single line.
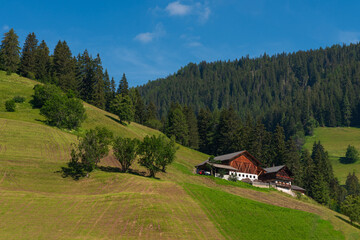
[(352, 155), (232, 178), (19, 99), (10, 105), (44, 93)]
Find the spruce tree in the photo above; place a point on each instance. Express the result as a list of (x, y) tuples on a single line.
[(346, 111), (42, 63), (123, 107), (123, 86), (205, 129), (352, 184), (227, 132), (98, 98), (64, 67), (113, 87), (28, 58), (177, 126), (10, 52), (192, 127), (107, 90), (139, 106), (279, 146)]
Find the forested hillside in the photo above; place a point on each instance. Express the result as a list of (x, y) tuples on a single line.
[(286, 89)]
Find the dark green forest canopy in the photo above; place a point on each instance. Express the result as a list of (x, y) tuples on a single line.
[(287, 89)]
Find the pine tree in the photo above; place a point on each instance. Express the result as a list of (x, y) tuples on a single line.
[(123, 86), (319, 189), (64, 67), (9, 52), (99, 98), (107, 90), (28, 58), (139, 106), (292, 159), (279, 146), (192, 127), (227, 132), (352, 184), (113, 87), (42, 66), (205, 129), (308, 168), (177, 126), (346, 111)]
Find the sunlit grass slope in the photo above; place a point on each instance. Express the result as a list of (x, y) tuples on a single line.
[(335, 141), (37, 203)]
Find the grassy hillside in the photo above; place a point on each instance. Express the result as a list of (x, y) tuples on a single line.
[(335, 141), (37, 203)]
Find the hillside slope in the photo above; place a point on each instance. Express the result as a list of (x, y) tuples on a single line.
[(336, 141), (36, 202)]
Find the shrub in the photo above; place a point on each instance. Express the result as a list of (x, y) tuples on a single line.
[(43, 93), (10, 105), (232, 178), (352, 155), (19, 99)]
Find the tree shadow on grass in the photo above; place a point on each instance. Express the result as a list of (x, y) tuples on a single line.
[(347, 221), (116, 120), (344, 160), (130, 171)]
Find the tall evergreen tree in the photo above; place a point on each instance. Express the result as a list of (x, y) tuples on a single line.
[(346, 111), (139, 106), (227, 132), (177, 126), (205, 129), (42, 63), (10, 52), (352, 184), (28, 58), (64, 67), (113, 87), (107, 90), (279, 146), (99, 98), (123, 86), (193, 141)]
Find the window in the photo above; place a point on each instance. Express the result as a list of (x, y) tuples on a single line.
[(243, 175), (247, 175)]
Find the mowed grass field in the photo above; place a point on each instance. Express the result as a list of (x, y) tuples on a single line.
[(336, 141), (37, 203)]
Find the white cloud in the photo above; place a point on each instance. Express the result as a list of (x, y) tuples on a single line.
[(150, 36), (349, 37), (6, 27), (201, 10), (178, 9)]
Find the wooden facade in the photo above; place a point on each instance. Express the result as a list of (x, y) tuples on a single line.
[(246, 163)]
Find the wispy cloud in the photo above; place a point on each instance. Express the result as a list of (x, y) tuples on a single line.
[(191, 41), (5, 27), (178, 9), (150, 36), (349, 37)]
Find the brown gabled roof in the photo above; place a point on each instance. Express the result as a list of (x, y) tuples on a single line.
[(230, 156)]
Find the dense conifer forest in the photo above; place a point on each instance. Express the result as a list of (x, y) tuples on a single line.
[(295, 90)]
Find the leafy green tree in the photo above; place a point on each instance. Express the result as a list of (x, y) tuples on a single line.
[(10, 105), (91, 148), (125, 151), (352, 155), (28, 58), (351, 208), (10, 52), (123, 107), (42, 63), (156, 153), (59, 109), (42, 93), (352, 184)]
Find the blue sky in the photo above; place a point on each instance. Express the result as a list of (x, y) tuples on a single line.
[(152, 39)]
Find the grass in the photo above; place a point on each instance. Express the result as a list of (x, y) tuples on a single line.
[(37, 203), (240, 218), (336, 141)]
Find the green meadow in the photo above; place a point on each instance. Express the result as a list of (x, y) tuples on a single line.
[(335, 141), (36, 202)]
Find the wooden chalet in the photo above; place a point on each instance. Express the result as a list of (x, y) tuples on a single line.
[(280, 176), (240, 164)]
